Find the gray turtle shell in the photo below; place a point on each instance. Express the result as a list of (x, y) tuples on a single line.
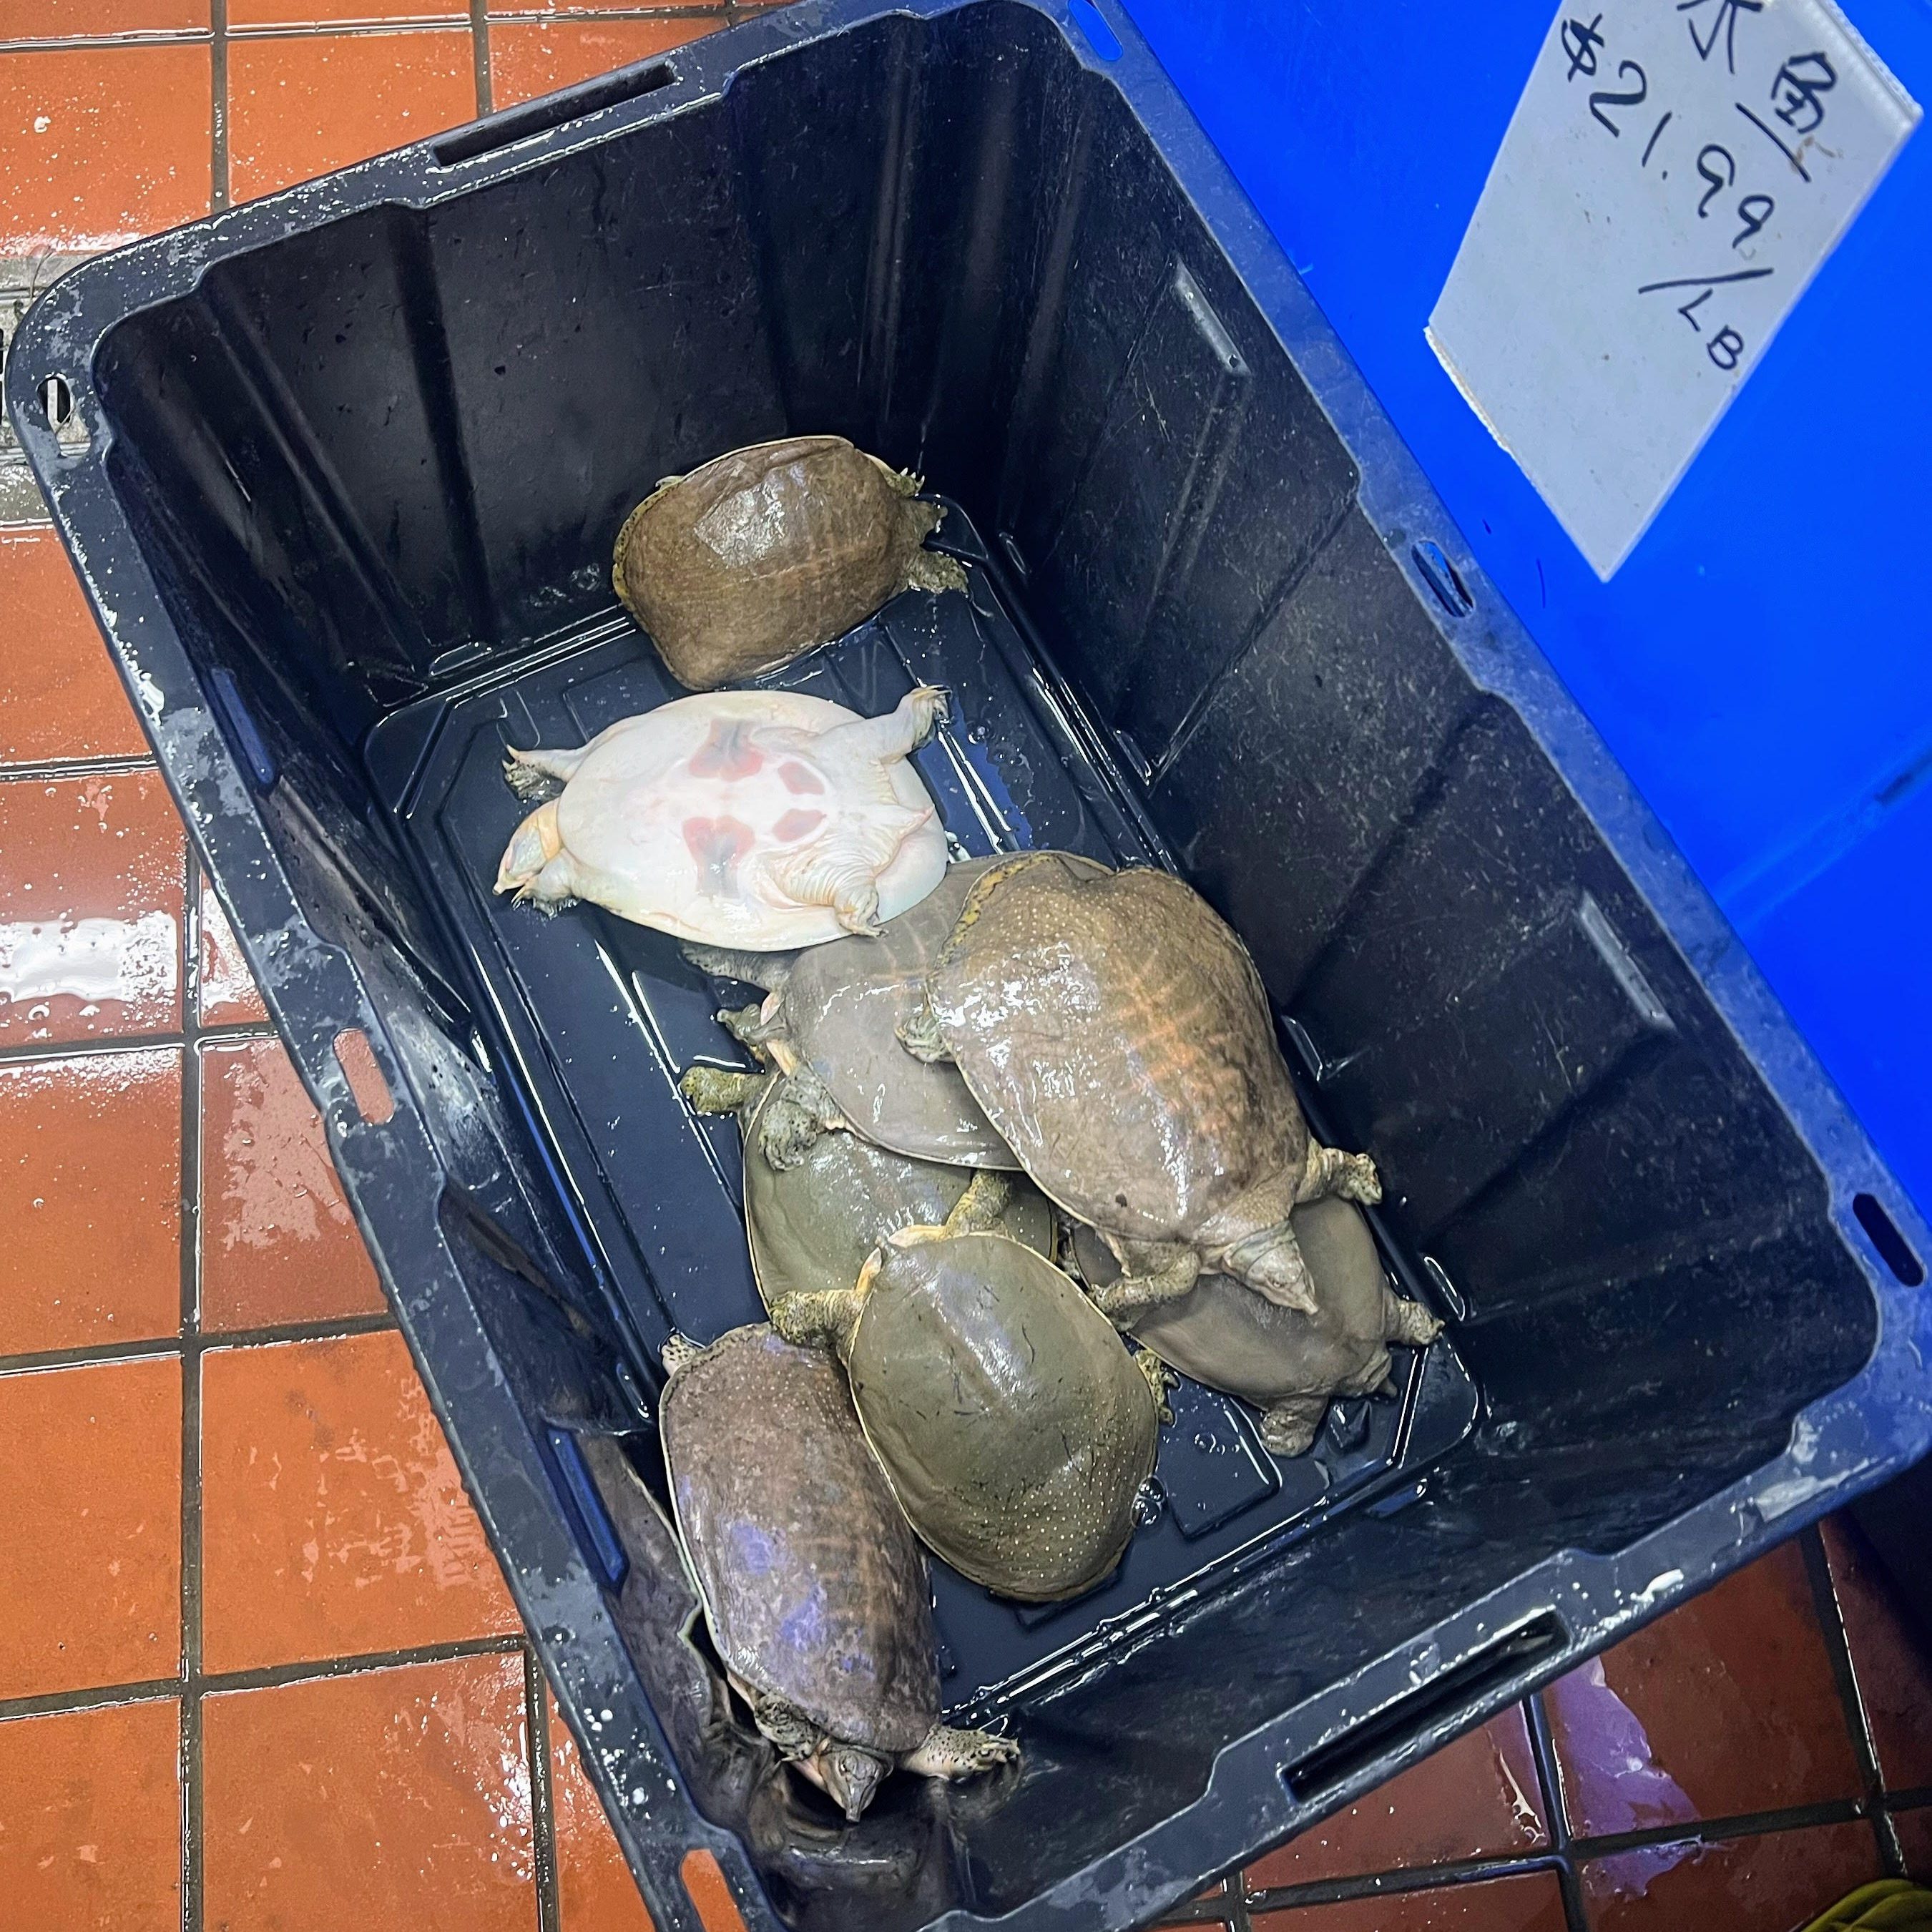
[(839, 1009), (814, 1588), (1014, 1426), (811, 1227), (1229, 1338), (1115, 1030)]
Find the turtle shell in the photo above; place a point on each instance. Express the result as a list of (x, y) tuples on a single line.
[(671, 814), (764, 552), (1115, 1031), (1015, 1429), (840, 1009), (1229, 1338), (814, 1588), (811, 1226)]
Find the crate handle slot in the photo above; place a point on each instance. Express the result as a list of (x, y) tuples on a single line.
[(58, 410), (1496, 1664), (369, 1090), (1093, 25), (505, 130), (1894, 1250)]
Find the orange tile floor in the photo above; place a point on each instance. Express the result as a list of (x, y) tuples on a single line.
[(258, 1669)]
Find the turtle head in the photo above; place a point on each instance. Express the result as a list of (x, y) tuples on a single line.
[(851, 1778), (532, 846)]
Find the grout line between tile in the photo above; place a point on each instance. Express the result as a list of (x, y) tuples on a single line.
[(543, 1817), (442, 23), (1837, 1643), (190, 1471), (479, 48), (1237, 1902), (1556, 1813), (158, 37), (279, 1676), (51, 771), (519, 17), (1386, 1885), (333, 1329), (60, 1703), (219, 196), (129, 1042)]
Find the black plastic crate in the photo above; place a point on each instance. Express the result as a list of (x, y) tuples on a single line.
[(342, 474)]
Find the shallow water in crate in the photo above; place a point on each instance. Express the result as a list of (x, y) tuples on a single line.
[(597, 1019)]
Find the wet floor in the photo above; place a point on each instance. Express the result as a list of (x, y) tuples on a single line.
[(257, 1667)]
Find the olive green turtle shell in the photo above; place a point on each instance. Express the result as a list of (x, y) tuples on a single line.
[(1227, 1337), (1015, 1427), (811, 1226), (814, 1588)]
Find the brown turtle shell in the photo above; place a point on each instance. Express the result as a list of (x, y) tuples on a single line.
[(811, 1227), (1015, 1428), (765, 551), (1113, 1029), (813, 1587)]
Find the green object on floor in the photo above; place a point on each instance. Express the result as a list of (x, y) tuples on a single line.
[(1890, 1905)]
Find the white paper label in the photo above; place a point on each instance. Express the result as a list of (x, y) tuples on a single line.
[(1672, 177)]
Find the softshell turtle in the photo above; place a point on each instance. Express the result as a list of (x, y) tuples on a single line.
[(753, 819), (764, 552), (1015, 1428), (812, 1585), (1115, 1032), (1288, 1364), (811, 1225), (831, 1016)]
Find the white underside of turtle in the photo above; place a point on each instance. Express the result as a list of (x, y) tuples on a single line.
[(759, 820)]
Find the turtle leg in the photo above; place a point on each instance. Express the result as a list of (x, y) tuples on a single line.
[(1159, 1378), (1288, 1427), (795, 1735), (768, 969), (721, 1090), (1329, 1171), (981, 1206), (812, 1317), (930, 570), (679, 1351), (795, 1117), (531, 773), (1157, 1271), (949, 1754), (879, 740), (746, 1024), (919, 1034), (1409, 1322)]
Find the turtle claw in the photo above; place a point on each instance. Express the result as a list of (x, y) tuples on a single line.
[(948, 1752), (1159, 1378), (919, 1034)]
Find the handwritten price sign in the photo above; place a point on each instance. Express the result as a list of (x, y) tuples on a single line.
[(1673, 175)]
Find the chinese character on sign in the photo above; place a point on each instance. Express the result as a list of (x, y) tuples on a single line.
[(1795, 92), (1580, 42), (1724, 21)]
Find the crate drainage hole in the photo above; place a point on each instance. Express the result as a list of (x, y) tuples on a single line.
[(57, 406), (357, 1059), (1100, 37), (1894, 1250)]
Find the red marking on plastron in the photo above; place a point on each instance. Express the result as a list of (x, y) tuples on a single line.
[(718, 845), (800, 777), (795, 825), (728, 753)]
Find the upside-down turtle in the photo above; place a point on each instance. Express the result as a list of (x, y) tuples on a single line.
[(753, 819)]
